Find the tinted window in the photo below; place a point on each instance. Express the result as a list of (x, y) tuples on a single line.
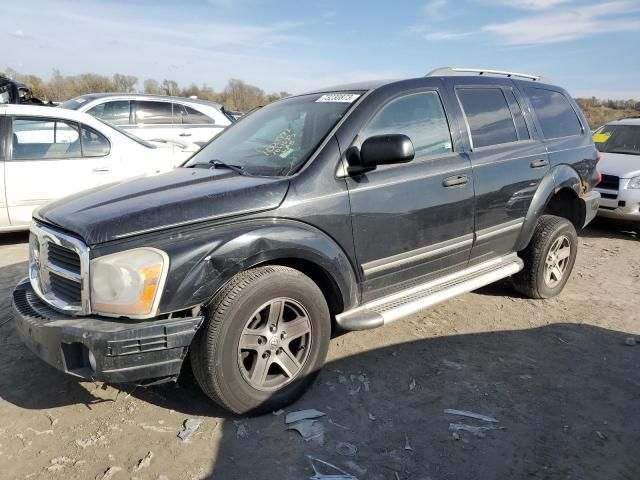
[(421, 117), (618, 139), (116, 112), (488, 116), (555, 114), (193, 116), (41, 138), (521, 125), (154, 113), (94, 144)]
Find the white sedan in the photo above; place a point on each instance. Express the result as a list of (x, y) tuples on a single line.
[(47, 153)]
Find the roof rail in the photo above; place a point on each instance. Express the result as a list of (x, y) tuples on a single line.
[(449, 71)]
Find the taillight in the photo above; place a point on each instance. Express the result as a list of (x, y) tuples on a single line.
[(598, 174)]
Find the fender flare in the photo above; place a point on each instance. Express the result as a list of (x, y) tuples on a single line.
[(557, 178), (230, 249)]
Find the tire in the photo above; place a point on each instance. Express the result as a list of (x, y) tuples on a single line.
[(537, 279), (222, 368)]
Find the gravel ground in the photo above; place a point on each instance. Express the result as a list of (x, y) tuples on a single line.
[(556, 375)]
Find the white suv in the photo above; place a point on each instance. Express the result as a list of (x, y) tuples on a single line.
[(619, 143), (156, 117)]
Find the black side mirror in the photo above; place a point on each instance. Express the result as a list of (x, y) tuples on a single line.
[(380, 150)]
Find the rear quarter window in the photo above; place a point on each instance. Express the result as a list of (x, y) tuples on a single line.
[(555, 114)]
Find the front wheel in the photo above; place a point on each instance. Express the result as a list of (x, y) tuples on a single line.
[(264, 340), (548, 259)]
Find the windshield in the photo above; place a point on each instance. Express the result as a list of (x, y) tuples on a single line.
[(129, 135), (74, 103), (278, 138), (618, 139)]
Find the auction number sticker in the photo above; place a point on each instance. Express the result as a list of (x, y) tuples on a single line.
[(338, 97)]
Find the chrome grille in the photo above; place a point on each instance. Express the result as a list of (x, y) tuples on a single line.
[(59, 269)]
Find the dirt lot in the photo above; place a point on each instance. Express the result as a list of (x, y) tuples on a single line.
[(556, 374)]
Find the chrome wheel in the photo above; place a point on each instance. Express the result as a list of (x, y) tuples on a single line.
[(557, 261), (274, 344)]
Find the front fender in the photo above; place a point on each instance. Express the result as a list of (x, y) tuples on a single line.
[(557, 178), (203, 262)]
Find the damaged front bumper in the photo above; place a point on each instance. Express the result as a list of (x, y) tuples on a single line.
[(108, 350)]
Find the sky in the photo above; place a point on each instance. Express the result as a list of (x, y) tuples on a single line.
[(589, 47)]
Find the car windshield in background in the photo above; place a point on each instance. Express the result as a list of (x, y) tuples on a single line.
[(618, 139), (74, 103), (278, 138), (127, 134)]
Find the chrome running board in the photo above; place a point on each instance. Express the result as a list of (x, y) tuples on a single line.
[(407, 302)]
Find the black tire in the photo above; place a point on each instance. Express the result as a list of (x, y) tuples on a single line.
[(215, 348), (530, 281)]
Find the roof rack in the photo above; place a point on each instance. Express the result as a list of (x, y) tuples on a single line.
[(449, 71)]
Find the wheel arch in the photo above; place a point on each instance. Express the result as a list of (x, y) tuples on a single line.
[(558, 194)]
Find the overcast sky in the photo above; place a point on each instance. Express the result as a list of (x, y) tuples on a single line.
[(589, 47)]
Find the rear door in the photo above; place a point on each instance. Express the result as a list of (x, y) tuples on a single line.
[(507, 158), (51, 158)]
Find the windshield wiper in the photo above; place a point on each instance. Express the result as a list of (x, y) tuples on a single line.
[(220, 164)]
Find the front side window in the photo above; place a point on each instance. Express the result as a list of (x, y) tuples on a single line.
[(155, 113), (42, 138), (116, 112), (618, 139), (556, 116), (278, 138), (94, 144), (488, 116), (420, 116)]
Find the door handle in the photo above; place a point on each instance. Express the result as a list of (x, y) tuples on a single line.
[(101, 170), (185, 134), (455, 181), (539, 163)]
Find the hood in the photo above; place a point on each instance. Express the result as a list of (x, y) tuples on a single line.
[(179, 197), (619, 164)]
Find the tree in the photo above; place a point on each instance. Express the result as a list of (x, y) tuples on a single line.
[(124, 83), (151, 86), (170, 87)]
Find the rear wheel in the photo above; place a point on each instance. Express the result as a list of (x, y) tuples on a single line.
[(548, 259), (264, 340)]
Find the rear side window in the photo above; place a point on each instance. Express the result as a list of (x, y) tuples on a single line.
[(556, 115), (94, 144), (421, 117), (156, 113), (195, 117), (116, 112), (488, 115)]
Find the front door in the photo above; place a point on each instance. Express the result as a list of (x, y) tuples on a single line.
[(414, 221), (508, 164), (52, 158), (4, 214)]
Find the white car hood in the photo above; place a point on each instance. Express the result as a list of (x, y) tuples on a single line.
[(620, 164)]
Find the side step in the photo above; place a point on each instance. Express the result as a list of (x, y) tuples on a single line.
[(407, 302)]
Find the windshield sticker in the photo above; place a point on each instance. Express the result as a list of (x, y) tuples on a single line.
[(601, 137), (81, 100), (338, 97)]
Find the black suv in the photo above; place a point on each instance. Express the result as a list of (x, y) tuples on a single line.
[(342, 209)]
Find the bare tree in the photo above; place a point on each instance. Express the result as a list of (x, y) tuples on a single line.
[(124, 83), (151, 86), (169, 87)]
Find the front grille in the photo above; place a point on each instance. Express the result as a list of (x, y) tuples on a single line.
[(65, 289), (64, 257), (609, 182)]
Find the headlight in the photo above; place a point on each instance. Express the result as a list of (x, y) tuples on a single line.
[(634, 182), (128, 283)]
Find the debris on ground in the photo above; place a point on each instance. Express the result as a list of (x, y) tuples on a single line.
[(412, 385), (242, 431), (346, 449), (338, 425), (372, 417), (455, 436), (472, 428), (601, 435), (355, 467), (144, 462), (407, 444), (277, 413), (309, 429), (454, 365), (630, 341), (336, 472), (465, 413), (303, 415), (190, 426), (110, 472)]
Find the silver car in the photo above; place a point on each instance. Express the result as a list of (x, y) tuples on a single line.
[(156, 117), (619, 143)]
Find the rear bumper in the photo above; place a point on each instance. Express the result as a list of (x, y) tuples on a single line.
[(108, 350), (591, 202)]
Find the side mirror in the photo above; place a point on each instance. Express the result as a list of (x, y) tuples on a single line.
[(380, 150)]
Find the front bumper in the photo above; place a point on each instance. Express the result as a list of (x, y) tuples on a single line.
[(623, 204), (109, 350)]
